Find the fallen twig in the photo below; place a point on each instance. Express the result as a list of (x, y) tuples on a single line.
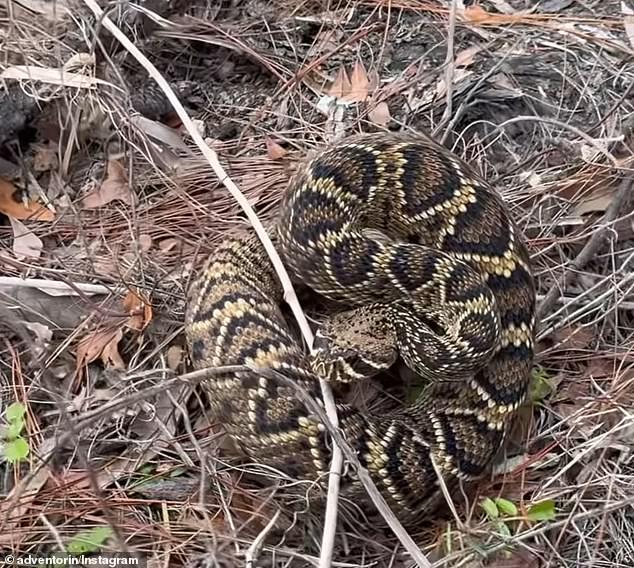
[(450, 63), (253, 551)]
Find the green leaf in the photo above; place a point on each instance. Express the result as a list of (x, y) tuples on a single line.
[(16, 450), (490, 508), (15, 411), (542, 511), (506, 507), (13, 429), (540, 385), (89, 541), (147, 469)]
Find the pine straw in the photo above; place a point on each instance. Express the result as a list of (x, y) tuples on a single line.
[(572, 445)]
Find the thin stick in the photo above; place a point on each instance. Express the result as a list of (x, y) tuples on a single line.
[(49, 285), (253, 551), (591, 247), (450, 62), (289, 292)]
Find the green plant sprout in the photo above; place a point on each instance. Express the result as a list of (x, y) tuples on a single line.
[(15, 447)]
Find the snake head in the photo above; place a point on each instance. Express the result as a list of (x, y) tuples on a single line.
[(354, 345)]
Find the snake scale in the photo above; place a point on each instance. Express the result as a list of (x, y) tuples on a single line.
[(428, 266)]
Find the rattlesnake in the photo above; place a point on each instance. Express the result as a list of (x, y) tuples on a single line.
[(424, 256)]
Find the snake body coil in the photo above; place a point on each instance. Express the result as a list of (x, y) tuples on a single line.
[(430, 267)]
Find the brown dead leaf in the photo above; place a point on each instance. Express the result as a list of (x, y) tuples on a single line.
[(359, 85), (17, 209), (170, 244), (599, 367), (341, 85), (174, 356), (145, 242), (467, 56), (458, 76), (597, 203), (573, 337), (110, 353), (114, 186), (45, 157), (380, 114), (503, 7), (516, 558), (101, 344), (77, 479), (476, 14), (273, 150), (139, 310), (52, 75), (25, 243)]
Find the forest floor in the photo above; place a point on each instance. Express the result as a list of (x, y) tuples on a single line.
[(105, 212)]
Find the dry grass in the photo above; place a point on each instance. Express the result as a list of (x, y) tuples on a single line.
[(539, 102)]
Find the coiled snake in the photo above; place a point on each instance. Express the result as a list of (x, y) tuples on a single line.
[(430, 267)]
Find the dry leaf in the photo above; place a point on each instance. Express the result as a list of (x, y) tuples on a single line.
[(341, 85), (515, 559), (174, 357), (52, 76), (45, 158), (145, 242), (75, 478), (139, 310), (458, 75), (273, 149), (110, 353), (169, 244), (574, 337), (600, 368), (476, 14), (467, 56), (101, 344), (161, 132), (594, 204), (502, 6), (51, 11), (359, 85), (115, 186), (380, 114), (31, 210), (25, 243)]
